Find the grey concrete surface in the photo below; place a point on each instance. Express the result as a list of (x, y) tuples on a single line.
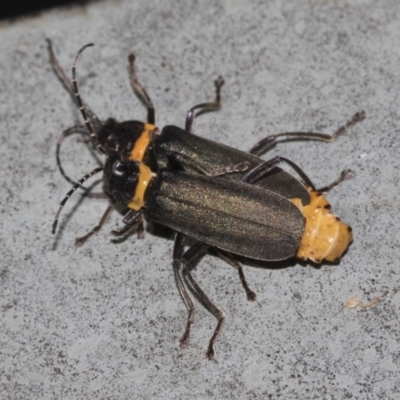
[(103, 321)]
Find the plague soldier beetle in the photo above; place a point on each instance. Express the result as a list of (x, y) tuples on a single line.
[(223, 198)]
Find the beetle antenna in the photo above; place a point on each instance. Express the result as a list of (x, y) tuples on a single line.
[(69, 194)]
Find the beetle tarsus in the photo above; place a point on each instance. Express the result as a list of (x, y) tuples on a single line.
[(185, 339), (251, 296), (210, 351)]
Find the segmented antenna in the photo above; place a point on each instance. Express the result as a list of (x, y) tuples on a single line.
[(92, 134), (69, 194)]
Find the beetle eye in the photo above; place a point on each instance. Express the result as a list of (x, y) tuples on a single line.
[(119, 169)]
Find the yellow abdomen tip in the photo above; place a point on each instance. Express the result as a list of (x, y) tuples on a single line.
[(325, 237)]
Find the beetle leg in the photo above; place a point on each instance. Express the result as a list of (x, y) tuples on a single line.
[(344, 176), (198, 249), (263, 168), (81, 240), (185, 259), (229, 169), (265, 144), (205, 107), (134, 223), (217, 312), (181, 162), (177, 261), (251, 296), (140, 90)]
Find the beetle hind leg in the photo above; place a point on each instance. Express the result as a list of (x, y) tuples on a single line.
[(251, 296), (344, 176), (265, 144)]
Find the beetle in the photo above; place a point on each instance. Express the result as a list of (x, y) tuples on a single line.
[(262, 223)]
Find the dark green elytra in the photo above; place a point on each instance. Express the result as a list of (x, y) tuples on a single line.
[(233, 216)]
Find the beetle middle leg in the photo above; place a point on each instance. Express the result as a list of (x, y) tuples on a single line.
[(199, 249), (176, 160), (263, 168), (181, 259), (265, 144), (344, 176), (177, 261)]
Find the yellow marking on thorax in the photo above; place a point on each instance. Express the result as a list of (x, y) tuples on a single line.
[(142, 143), (325, 236), (144, 178)]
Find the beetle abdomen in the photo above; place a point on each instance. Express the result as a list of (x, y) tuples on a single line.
[(325, 236)]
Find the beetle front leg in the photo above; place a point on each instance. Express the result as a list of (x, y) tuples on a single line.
[(134, 223), (205, 107), (140, 90), (81, 240)]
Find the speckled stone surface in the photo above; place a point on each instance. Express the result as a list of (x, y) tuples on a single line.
[(103, 321)]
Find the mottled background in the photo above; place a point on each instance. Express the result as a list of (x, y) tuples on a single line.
[(103, 321)]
